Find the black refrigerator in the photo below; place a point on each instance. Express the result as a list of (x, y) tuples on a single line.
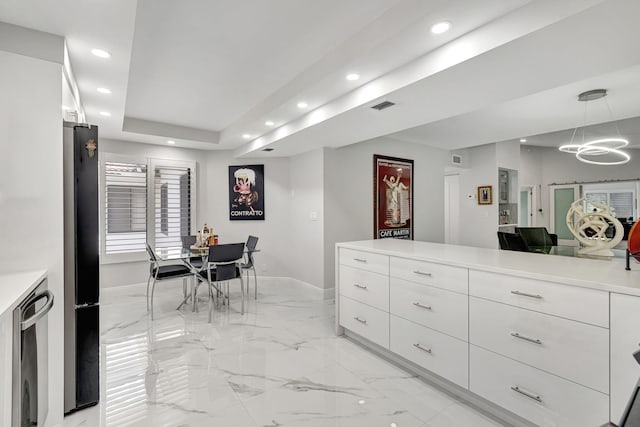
[(81, 267)]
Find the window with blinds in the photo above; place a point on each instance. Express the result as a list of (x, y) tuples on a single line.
[(621, 201), (125, 207), (172, 204)]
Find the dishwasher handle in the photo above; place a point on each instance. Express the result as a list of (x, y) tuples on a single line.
[(27, 323)]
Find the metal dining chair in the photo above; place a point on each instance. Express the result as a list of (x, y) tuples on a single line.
[(252, 241), (187, 243), (163, 272), (196, 262), (223, 264)]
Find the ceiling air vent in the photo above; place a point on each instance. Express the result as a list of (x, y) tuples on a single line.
[(383, 105)]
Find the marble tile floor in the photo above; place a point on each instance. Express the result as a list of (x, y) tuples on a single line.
[(278, 365)]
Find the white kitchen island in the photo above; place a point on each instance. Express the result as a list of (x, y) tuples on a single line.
[(545, 337)]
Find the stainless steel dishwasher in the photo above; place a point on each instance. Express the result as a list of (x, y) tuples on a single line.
[(30, 358)]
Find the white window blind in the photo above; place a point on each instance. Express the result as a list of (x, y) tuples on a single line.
[(620, 201), (596, 197), (125, 207), (172, 204)]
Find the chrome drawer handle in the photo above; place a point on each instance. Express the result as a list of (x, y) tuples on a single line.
[(364, 322), (420, 347), (417, 304), (422, 273), (360, 260), (359, 286), (524, 294), (517, 335), (524, 393)]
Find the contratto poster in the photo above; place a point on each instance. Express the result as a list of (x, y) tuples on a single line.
[(392, 197), (246, 192)]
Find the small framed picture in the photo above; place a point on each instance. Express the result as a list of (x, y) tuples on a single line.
[(484, 195)]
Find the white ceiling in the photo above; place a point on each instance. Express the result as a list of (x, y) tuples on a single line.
[(204, 72)]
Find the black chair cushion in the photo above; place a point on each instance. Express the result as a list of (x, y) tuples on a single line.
[(196, 262), (173, 270), (222, 272)]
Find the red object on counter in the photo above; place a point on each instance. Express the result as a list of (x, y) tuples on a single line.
[(633, 240)]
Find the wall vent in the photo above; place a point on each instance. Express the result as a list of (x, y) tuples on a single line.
[(268, 149), (383, 105), (456, 159)]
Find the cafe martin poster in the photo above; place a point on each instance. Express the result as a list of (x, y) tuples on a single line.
[(392, 197), (246, 192)]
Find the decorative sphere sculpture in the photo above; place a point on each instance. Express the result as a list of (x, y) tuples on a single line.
[(589, 227)]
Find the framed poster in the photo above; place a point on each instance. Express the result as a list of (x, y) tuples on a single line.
[(246, 192), (392, 197), (485, 196)]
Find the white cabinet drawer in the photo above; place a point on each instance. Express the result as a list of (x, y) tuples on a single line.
[(436, 352), (572, 350), (365, 286), (429, 273), (585, 305), (365, 260), (551, 401), (625, 339), (444, 311), (366, 321)]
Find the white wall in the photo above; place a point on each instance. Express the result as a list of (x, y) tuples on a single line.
[(31, 191), (478, 223), (349, 192), (118, 274), (275, 232), (546, 165), (306, 177)]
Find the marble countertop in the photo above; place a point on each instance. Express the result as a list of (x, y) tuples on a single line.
[(14, 287), (607, 275)]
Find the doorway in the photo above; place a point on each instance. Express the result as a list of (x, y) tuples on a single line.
[(527, 209)]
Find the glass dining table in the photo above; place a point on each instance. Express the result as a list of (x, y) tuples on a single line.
[(195, 259)]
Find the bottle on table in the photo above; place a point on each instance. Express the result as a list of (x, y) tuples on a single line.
[(205, 235)]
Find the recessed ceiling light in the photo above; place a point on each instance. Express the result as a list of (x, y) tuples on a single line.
[(246, 136), (170, 142), (302, 104), (269, 123), (104, 90), (105, 113), (523, 140), (352, 77), (101, 53), (441, 27)]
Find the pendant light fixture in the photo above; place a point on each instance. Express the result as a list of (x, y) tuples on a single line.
[(591, 151)]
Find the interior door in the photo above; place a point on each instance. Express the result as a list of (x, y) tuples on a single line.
[(561, 198), (525, 210)]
